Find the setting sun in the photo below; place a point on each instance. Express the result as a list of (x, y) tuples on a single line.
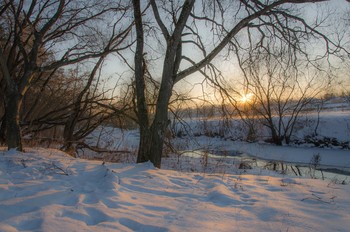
[(246, 98)]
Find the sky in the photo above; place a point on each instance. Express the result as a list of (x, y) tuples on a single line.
[(193, 84)]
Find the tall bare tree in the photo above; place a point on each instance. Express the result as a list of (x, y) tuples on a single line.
[(183, 25)]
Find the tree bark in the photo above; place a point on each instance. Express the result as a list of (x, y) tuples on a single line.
[(152, 138), (13, 131), (160, 121), (68, 134), (145, 143), (13, 102), (3, 129)]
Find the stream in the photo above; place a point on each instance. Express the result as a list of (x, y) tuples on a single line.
[(314, 170)]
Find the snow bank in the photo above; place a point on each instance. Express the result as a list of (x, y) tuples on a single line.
[(46, 190)]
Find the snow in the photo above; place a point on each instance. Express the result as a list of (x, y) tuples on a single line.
[(332, 123), (303, 155), (199, 188), (47, 190)]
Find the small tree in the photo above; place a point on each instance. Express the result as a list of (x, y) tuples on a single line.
[(279, 89)]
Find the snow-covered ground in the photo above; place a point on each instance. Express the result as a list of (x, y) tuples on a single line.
[(208, 184), (332, 123), (47, 190)]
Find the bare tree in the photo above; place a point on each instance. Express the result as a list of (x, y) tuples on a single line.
[(36, 29), (280, 89), (182, 25), (113, 45)]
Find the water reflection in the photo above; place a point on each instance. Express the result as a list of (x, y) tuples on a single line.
[(313, 169)]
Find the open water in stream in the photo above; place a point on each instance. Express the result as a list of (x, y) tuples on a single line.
[(313, 169)]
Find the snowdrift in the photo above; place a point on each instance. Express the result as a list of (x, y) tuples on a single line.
[(46, 190)]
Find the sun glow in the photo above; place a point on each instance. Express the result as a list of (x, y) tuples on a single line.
[(246, 98)]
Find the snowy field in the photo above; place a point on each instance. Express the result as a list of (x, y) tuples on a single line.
[(208, 184), (46, 190)]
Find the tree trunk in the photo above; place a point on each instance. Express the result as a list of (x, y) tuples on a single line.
[(13, 130), (152, 138), (68, 132), (3, 129), (157, 135), (153, 148), (287, 139), (152, 141), (144, 145), (276, 139), (13, 102)]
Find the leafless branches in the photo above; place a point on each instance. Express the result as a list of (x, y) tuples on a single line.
[(41, 37)]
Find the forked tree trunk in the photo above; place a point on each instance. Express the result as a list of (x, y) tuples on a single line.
[(152, 141), (151, 148), (152, 137)]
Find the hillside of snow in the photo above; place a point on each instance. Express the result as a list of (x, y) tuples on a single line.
[(47, 190)]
